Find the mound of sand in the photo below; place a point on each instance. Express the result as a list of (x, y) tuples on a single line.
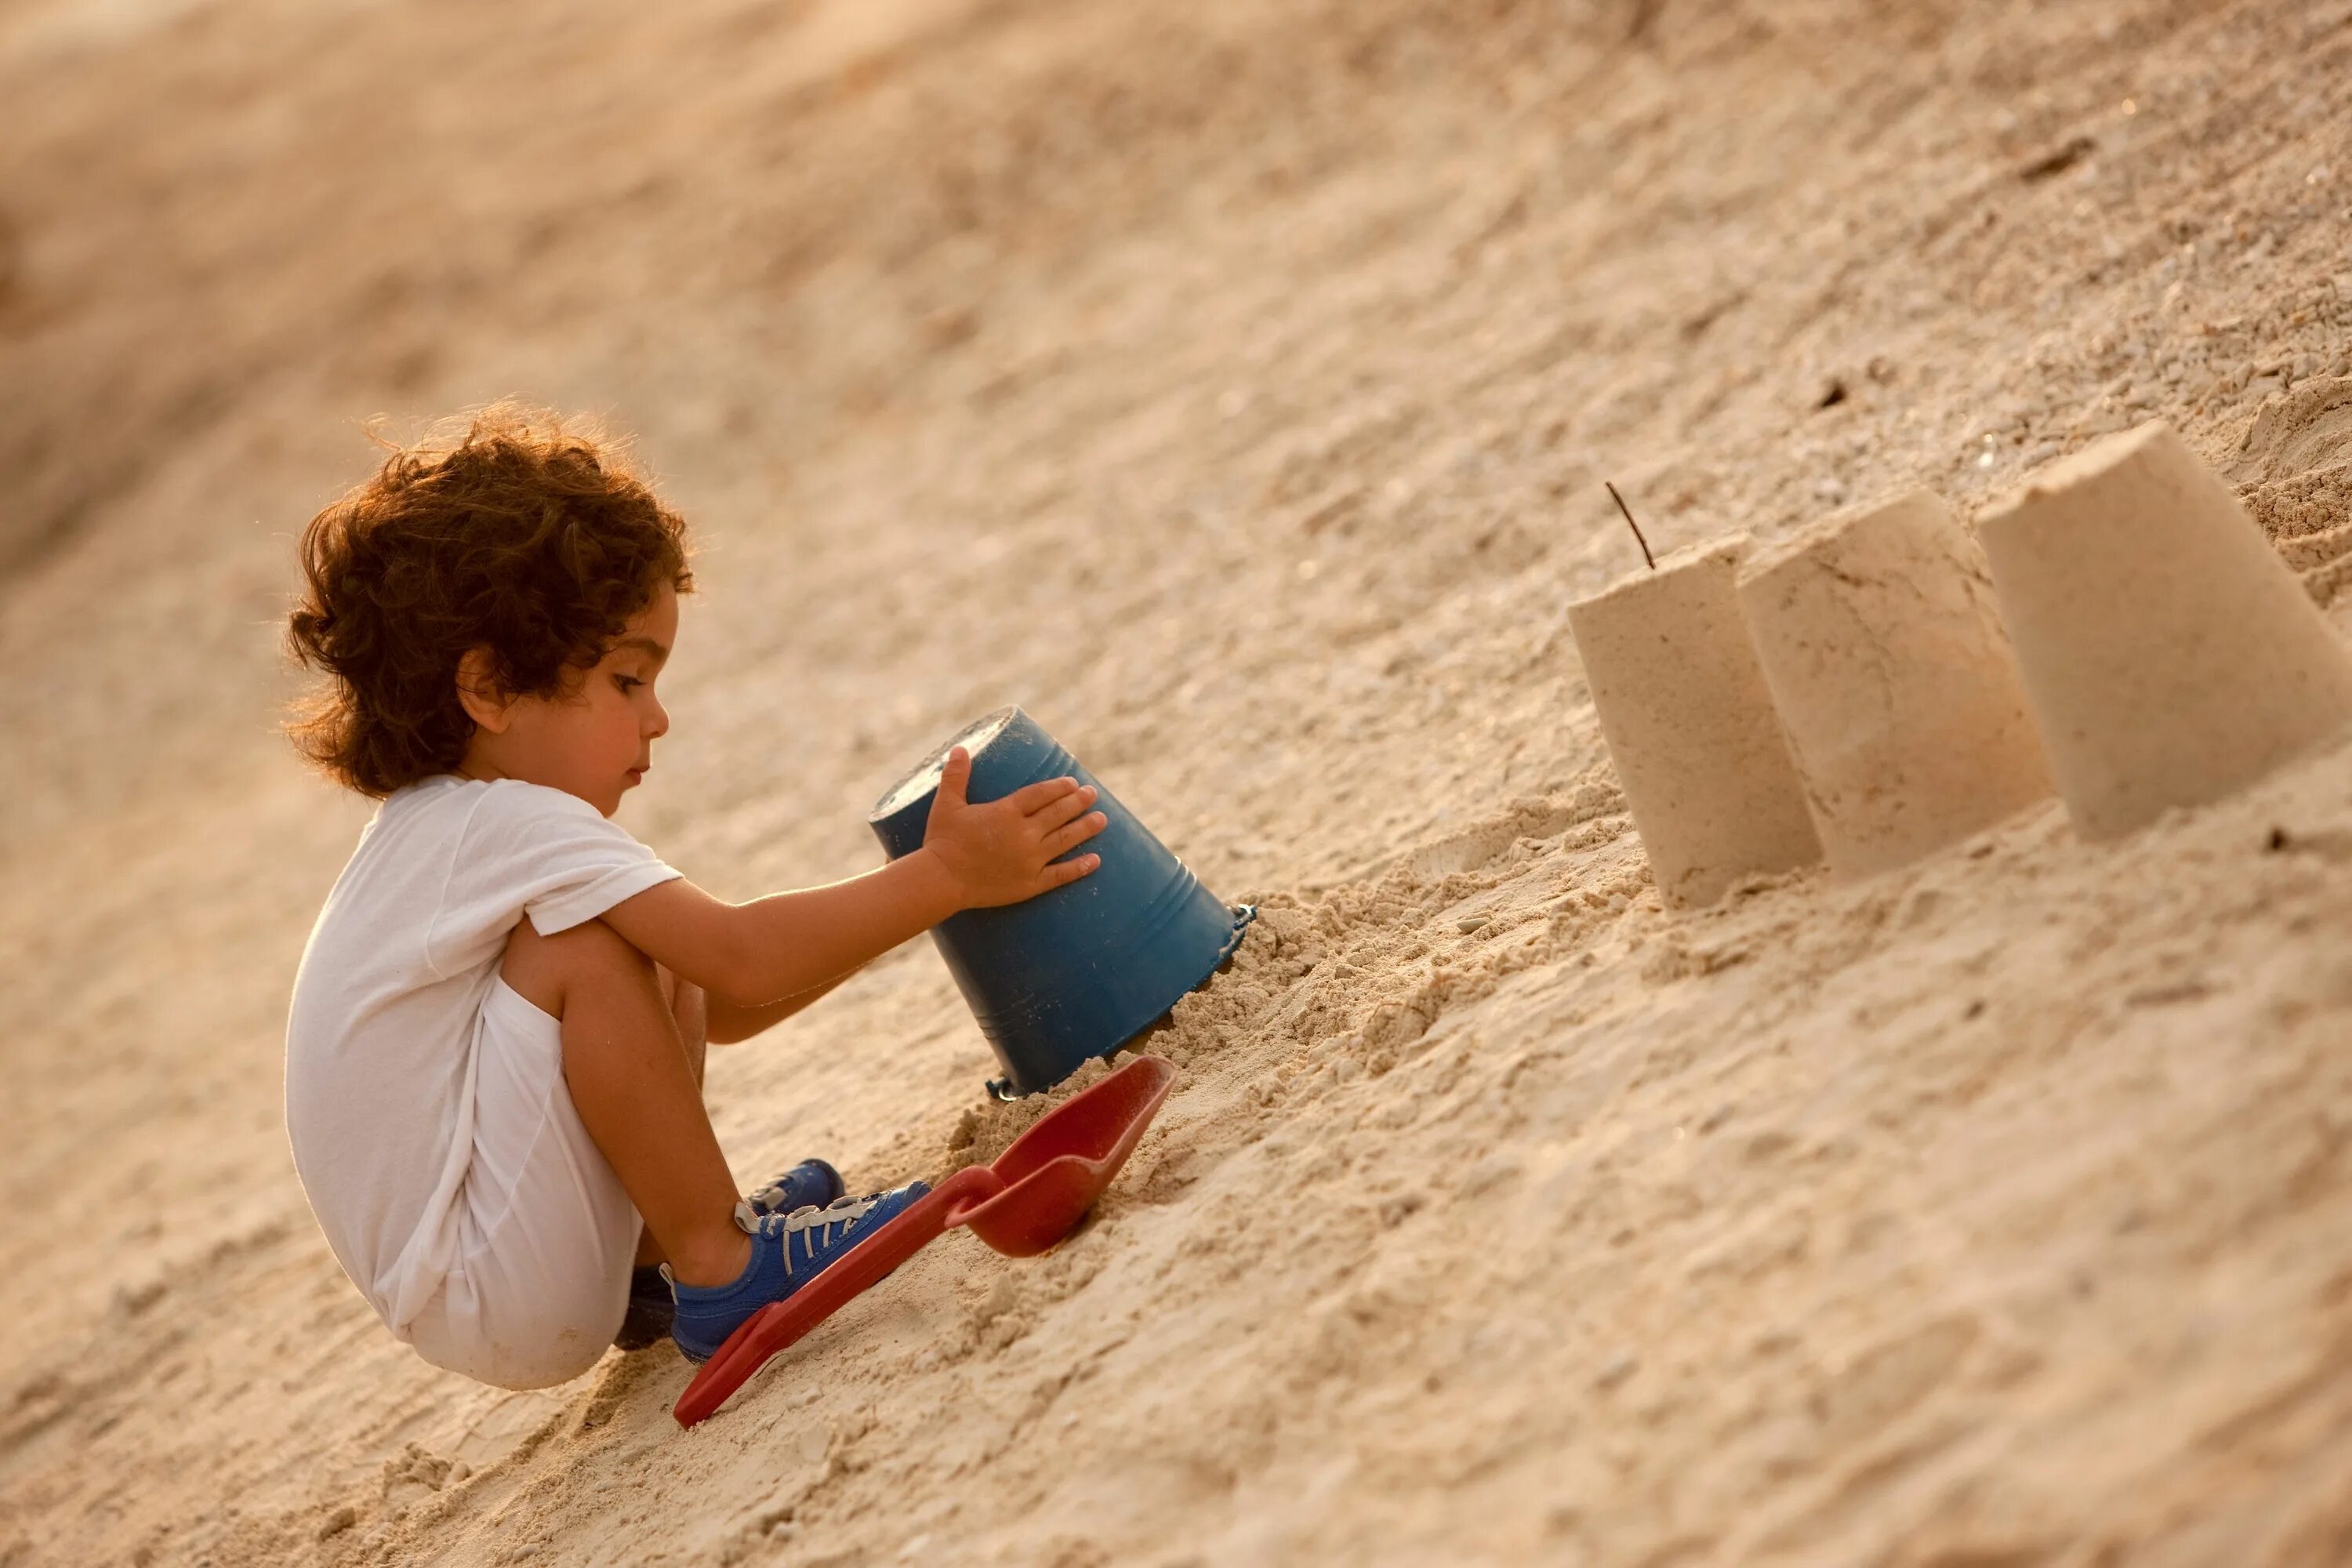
[(1230, 384)]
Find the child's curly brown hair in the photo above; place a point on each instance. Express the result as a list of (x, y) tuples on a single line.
[(525, 537)]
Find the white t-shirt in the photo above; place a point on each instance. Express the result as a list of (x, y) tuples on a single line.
[(380, 1041)]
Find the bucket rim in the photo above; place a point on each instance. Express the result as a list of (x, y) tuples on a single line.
[(904, 793)]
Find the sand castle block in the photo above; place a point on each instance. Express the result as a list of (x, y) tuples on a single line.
[(1894, 682), (2169, 656), (1690, 726)]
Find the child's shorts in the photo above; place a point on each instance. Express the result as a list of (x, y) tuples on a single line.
[(542, 1276)]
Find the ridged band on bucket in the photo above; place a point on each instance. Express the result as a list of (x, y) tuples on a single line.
[(1894, 681), (2169, 656), (1690, 726), (1075, 973)]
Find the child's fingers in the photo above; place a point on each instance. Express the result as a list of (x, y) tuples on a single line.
[(955, 777), (1054, 813), (1070, 834), (1030, 798), (1062, 873)]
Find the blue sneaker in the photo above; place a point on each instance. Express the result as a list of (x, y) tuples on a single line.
[(788, 1250), (812, 1182)]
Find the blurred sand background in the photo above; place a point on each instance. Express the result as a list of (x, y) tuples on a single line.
[(1230, 383)]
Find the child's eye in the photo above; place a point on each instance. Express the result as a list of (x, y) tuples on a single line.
[(627, 682)]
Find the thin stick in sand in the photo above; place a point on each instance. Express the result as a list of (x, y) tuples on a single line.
[(1649, 559)]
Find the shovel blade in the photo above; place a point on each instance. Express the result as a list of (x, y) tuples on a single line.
[(776, 1326), (1055, 1171), (1031, 1197)]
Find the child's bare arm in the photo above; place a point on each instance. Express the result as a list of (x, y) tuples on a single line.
[(731, 1021), (764, 951)]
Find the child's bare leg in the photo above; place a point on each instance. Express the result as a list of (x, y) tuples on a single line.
[(687, 1006), (637, 1092)]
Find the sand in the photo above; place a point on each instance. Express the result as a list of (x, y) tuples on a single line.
[(1231, 385)]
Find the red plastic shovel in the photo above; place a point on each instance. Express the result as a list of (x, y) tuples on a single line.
[(1029, 1199)]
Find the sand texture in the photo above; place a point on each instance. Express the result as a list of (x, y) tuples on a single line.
[(1231, 385)]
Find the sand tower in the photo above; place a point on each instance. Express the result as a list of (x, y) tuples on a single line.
[(1690, 726), (2169, 656), (1895, 683)]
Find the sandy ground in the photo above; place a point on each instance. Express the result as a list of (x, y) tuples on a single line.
[(1231, 385)]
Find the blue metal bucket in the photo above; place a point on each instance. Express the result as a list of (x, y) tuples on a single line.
[(1074, 973)]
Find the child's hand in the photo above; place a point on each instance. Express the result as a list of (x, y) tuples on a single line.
[(999, 853)]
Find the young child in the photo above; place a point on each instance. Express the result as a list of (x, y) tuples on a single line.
[(494, 1055)]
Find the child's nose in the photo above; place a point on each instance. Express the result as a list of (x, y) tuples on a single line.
[(660, 725)]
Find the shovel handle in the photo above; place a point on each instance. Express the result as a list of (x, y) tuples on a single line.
[(776, 1326)]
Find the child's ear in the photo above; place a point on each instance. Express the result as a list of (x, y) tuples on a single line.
[(478, 691)]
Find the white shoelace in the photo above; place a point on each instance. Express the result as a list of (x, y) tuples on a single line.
[(842, 1212)]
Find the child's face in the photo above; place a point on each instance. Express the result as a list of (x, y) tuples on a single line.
[(594, 742)]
